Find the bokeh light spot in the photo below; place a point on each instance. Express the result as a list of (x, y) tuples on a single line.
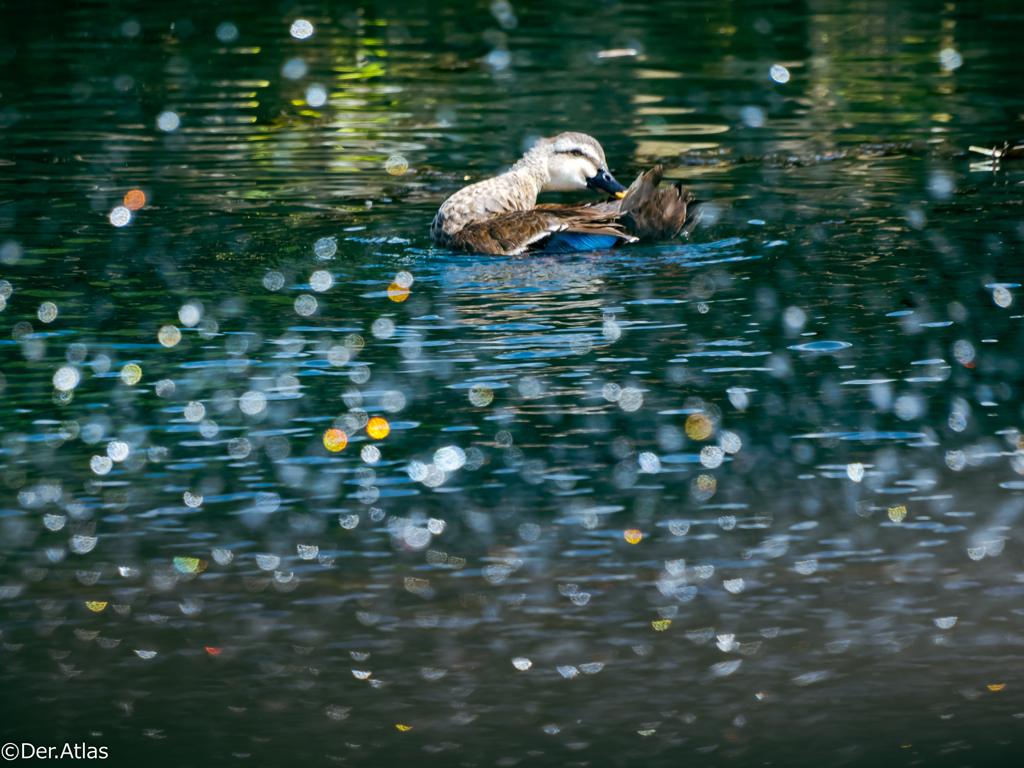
[(699, 426), (382, 328), (66, 378), (252, 402), (301, 29), (101, 465), (316, 96), (335, 440), (168, 121), (449, 458), (273, 281), (227, 32), (47, 312), (630, 399), (711, 456), (118, 450), (730, 442), (779, 73), (753, 117), (169, 335), (498, 59), (794, 319), (704, 487), (131, 374), (325, 248), (194, 411), (134, 199), (10, 254), (305, 305), (294, 69), (95, 605), (190, 314), (378, 428), (964, 353), (321, 280), (481, 396), (950, 59), (633, 535), (397, 293), (120, 216), (396, 165)]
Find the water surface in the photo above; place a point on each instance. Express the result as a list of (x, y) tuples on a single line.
[(281, 481)]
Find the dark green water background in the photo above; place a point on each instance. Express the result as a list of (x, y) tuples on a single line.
[(832, 576)]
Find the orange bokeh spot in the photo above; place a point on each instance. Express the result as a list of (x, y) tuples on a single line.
[(633, 535), (378, 428), (212, 650), (397, 292), (135, 199), (335, 440)]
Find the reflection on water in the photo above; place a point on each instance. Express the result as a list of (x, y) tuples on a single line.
[(282, 481)]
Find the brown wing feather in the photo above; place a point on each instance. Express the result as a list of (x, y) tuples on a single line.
[(513, 233), (653, 213)]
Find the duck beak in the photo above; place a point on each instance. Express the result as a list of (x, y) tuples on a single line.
[(605, 182)]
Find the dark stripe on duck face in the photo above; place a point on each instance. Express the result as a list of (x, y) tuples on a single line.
[(580, 153)]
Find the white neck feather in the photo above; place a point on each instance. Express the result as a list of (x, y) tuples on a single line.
[(533, 166)]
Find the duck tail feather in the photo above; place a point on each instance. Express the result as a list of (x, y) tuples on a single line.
[(644, 186), (650, 212)]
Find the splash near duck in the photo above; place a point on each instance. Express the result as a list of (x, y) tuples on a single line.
[(500, 216)]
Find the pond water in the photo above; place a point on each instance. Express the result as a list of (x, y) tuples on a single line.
[(281, 481)]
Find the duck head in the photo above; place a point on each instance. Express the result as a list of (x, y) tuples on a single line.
[(575, 162)]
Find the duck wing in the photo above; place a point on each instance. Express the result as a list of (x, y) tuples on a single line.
[(555, 229), (649, 212)]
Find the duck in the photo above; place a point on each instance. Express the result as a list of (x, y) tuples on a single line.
[(500, 216)]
